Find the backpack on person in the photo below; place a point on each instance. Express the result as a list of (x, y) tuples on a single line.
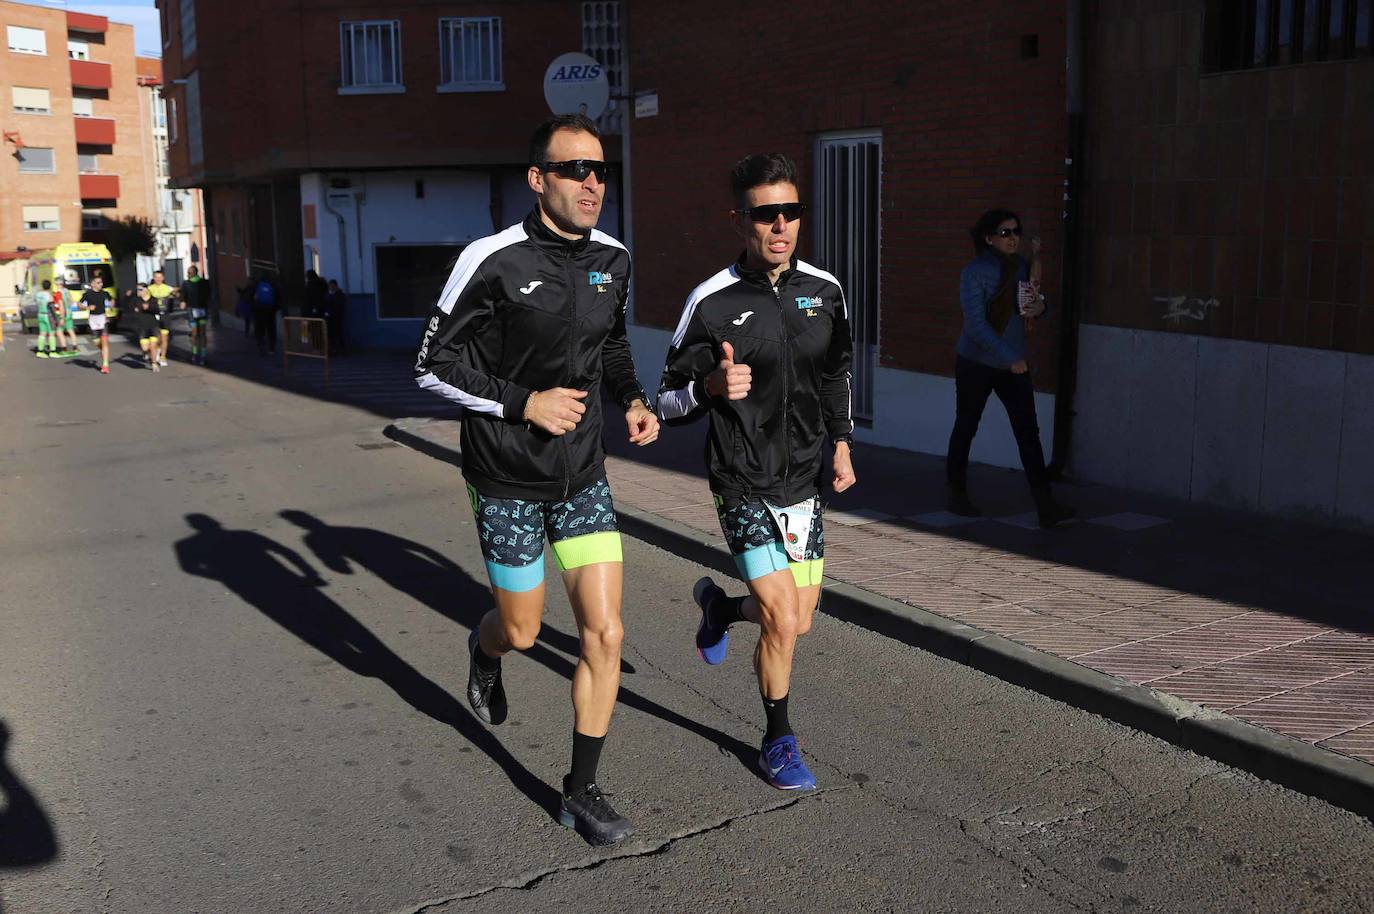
[(265, 294)]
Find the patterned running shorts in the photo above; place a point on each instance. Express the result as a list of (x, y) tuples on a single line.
[(581, 531), (754, 540)]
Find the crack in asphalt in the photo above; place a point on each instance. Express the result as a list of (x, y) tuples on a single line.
[(1035, 870), (530, 880), (689, 687)]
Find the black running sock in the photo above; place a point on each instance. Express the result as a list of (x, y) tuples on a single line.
[(485, 662), (586, 756), (776, 710), (727, 610)]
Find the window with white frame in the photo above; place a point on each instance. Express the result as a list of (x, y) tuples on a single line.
[(470, 53), (42, 219), (188, 27), (36, 160), (88, 163), (78, 49), (172, 121), (27, 41), (370, 55), (83, 107), (31, 101)]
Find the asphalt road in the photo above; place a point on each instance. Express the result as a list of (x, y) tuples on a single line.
[(232, 628)]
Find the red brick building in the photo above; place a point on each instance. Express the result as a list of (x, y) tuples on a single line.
[(1199, 172), (907, 120), (369, 142), (74, 142), (1227, 348)]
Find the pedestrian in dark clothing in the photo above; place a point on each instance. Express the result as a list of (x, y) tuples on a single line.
[(1000, 296), (315, 293), (243, 308), (266, 301), (335, 310)]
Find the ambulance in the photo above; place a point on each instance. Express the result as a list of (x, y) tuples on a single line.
[(69, 267)]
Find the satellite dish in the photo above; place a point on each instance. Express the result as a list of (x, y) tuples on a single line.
[(576, 83)]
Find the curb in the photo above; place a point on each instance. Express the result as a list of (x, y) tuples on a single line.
[(1337, 779)]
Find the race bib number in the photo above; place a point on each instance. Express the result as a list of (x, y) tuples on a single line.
[(795, 523)]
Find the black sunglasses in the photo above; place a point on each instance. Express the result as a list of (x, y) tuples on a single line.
[(577, 169), (1007, 233), (769, 212)]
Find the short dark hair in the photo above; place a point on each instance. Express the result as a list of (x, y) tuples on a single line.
[(987, 225), (761, 168), (543, 134), (47, 283)]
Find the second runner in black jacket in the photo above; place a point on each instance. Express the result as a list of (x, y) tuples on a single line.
[(527, 310), (771, 443)]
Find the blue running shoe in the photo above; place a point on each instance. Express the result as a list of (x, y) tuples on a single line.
[(782, 766), (712, 639)]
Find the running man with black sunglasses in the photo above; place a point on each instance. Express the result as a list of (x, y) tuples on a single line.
[(783, 321), (528, 331)]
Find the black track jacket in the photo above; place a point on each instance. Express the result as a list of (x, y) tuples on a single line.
[(795, 339), (525, 310)]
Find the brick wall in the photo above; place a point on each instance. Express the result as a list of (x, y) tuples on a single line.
[(1253, 189), (54, 131), (967, 123), (269, 80), (133, 149), (126, 158)]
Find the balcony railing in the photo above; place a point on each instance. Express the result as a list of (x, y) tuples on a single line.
[(99, 187), (95, 131), (90, 74)]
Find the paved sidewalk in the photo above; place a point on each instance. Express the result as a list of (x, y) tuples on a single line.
[(1265, 620)]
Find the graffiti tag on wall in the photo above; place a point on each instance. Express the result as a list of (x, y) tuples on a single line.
[(1185, 306)]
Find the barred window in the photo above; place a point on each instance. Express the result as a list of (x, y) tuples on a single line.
[(601, 41), (470, 53), (188, 27), (1243, 34), (370, 54)]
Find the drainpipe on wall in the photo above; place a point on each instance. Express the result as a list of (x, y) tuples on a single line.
[(1074, 270), (343, 235)]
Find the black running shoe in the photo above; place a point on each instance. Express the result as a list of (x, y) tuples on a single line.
[(485, 692), (587, 811)]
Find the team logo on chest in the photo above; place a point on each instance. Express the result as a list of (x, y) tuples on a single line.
[(600, 280), (809, 303)]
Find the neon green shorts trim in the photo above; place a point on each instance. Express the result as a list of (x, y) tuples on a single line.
[(588, 549), (807, 574)]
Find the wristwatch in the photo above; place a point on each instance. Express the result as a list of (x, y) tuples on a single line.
[(847, 439)]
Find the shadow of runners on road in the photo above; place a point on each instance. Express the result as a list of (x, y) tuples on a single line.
[(26, 833), (432, 579), (247, 563)]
